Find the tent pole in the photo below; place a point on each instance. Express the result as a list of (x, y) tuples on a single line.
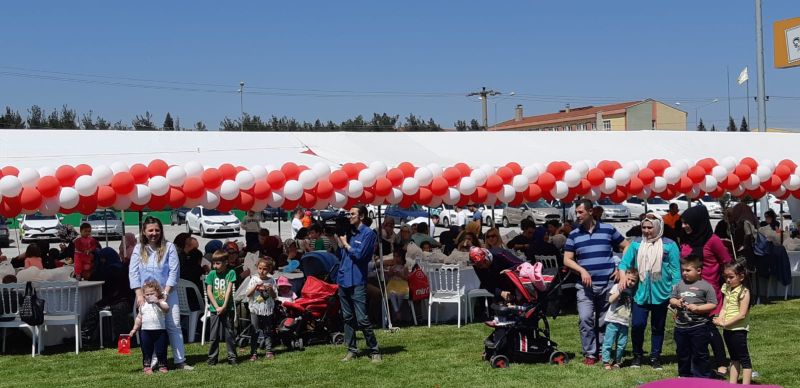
[(124, 245), (382, 280), (105, 220), (280, 217)]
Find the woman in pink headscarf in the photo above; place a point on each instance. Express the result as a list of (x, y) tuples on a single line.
[(126, 247)]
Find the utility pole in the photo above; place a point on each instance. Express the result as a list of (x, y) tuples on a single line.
[(241, 106), (762, 104), (484, 94)]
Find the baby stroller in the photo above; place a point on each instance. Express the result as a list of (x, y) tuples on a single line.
[(521, 331), (314, 317)]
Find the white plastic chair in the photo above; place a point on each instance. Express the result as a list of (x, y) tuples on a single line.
[(61, 308), (185, 286), (446, 288), (103, 315), (10, 300), (795, 273)]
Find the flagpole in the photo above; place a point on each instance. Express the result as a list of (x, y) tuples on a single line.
[(728, 81), (747, 86)]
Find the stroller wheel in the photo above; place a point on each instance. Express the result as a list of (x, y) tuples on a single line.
[(297, 344), (243, 342), (499, 361), (337, 339), (558, 357)]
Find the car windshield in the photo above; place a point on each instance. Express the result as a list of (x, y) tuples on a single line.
[(215, 212), (539, 204), (708, 198), (605, 202), (39, 216), (656, 201), (102, 216)]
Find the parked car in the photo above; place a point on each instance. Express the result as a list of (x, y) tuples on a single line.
[(403, 215), (565, 209), (637, 206), (712, 204), (775, 205), (329, 215), (274, 214), (39, 227), (5, 237), (613, 211), (543, 211), (211, 221), (105, 223), (447, 214), (493, 215), (178, 216)]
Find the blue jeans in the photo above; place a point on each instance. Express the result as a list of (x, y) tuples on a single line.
[(592, 306), (658, 318), (615, 334), (692, 349), (354, 314)]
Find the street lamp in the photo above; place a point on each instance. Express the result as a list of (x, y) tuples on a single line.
[(697, 109), (495, 105), (241, 106)]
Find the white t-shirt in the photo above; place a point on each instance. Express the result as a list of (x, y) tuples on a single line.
[(461, 218), (260, 302), (297, 224), (152, 317)]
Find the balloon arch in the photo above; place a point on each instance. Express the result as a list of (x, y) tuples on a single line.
[(158, 185)]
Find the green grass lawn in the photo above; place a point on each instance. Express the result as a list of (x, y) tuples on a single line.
[(413, 357)]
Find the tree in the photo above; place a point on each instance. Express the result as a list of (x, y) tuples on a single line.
[(11, 119), (87, 122), (36, 118), (460, 125), (144, 123), (53, 121), (178, 124), (119, 126), (701, 126), (200, 126), (169, 125), (731, 125), (744, 127), (229, 125), (474, 125), (102, 123), (713, 128)]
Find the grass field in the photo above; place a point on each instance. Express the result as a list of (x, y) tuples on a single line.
[(413, 357)]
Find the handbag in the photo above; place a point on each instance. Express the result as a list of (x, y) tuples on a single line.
[(32, 309), (418, 285)]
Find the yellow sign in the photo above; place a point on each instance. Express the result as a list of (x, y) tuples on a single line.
[(787, 42)]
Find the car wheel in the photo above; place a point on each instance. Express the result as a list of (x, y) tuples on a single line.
[(188, 229), (505, 222), (202, 231), (173, 220), (446, 222), (489, 222)]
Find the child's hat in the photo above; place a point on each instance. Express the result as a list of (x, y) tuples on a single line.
[(478, 255), (284, 282)]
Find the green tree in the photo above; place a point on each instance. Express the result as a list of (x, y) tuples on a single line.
[(731, 125), (36, 118), (744, 127), (200, 126), (53, 120), (460, 125), (474, 125), (229, 125), (119, 126), (178, 124), (713, 128), (701, 126), (169, 124), (87, 122), (144, 123), (11, 119), (102, 123)]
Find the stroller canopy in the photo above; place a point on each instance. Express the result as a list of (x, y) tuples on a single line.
[(318, 264)]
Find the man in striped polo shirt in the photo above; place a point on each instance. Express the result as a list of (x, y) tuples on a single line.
[(589, 252)]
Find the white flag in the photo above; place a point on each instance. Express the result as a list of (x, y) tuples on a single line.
[(742, 76)]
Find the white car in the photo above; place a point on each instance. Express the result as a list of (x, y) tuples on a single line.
[(211, 221), (775, 205), (637, 206), (448, 215), (712, 204), (39, 227)]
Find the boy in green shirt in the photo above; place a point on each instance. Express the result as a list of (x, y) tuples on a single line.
[(219, 288)]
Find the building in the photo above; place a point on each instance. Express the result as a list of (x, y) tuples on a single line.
[(625, 116)]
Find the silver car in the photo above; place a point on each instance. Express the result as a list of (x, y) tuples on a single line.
[(105, 223), (613, 211)]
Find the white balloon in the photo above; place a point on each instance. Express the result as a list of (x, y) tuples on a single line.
[(571, 177), (338, 199), (729, 162), (228, 190), (140, 195), (307, 178), (768, 163), (659, 184), (519, 183), (793, 183), (409, 186), (560, 190), (593, 194), (752, 183), (118, 167), (531, 172), (176, 175), (269, 168), (367, 177), (780, 191), (737, 192), (672, 174), (467, 186), (259, 172), (292, 190), (682, 166), (763, 173), (259, 204), (479, 176), (50, 171), (424, 176), (50, 206), (123, 202), (103, 174), (321, 169), (506, 194), (395, 196), (275, 199), (646, 192), (28, 177), (68, 197), (695, 192), (708, 184), (10, 186), (632, 168), (451, 197), (608, 186), (436, 169), (246, 180), (719, 173), (380, 168), (622, 176), (193, 168), (86, 185), (487, 169), (355, 189), (210, 200), (580, 166)]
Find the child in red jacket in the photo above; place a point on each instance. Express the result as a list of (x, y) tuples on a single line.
[(85, 246)]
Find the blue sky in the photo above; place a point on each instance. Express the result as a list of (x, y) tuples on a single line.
[(334, 60)]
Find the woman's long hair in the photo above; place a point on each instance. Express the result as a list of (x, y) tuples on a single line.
[(161, 249)]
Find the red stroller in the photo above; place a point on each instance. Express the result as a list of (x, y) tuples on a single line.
[(312, 318)]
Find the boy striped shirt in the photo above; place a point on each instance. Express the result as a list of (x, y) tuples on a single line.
[(594, 251)]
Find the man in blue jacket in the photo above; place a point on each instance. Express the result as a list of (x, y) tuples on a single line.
[(352, 280)]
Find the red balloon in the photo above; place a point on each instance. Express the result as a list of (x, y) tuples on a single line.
[(290, 170), (743, 171), (276, 179), (788, 163), (308, 200), (351, 170), (618, 195), (463, 201), (212, 178), (647, 175), (635, 186), (783, 171), (463, 169), (749, 162), (772, 184), (228, 171), (30, 198), (140, 173), (658, 166), (668, 193), (339, 179), (595, 176), (557, 169), (246, 201), (757, 193), (407, 168), (685, 185), (514, 166), (226, 205), (66, 175), (158, 202), (439, 186), (546, 181), (707, 164), (157, 167), (10, 170), (425, 196), (383, 187), (133, 207), (480, 194), (261, 189), (407, 201), (176, 198), (123, 183), (569, 198), (506, 174), (395, 176), (519, 198), (359, 166), (494, 183), (48, 186), (731, 182), (533, 193), (582, 188), (83, 169), (452, 175), (696, 174), (106, 196), (10, 207), (87, 205), (193, 187), (719, 192), (608, 167)]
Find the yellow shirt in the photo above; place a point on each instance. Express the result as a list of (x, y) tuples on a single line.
[(730, 308)]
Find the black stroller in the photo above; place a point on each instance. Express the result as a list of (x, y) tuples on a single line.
[(521, 331)]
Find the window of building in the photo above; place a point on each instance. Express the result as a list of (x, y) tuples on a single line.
[(654, 125), (581, 127), (606, 125)]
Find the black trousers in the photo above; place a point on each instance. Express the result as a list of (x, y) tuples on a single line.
[(154, 341), (222, 329), (692, 349), (736, 341)]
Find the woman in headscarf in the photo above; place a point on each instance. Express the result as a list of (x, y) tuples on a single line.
[(117, 295), (699, 239), (126, 247), (657, 259)]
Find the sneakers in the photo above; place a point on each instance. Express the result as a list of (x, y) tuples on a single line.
[(656, 364), (163, 369), (269, 356), (185, 366), (376, 358), (253, 357), (349, 357), (589, 361), (232, 361), (148, 370), (637, 362)]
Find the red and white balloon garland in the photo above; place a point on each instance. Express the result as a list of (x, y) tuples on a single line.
[(157, 185)]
